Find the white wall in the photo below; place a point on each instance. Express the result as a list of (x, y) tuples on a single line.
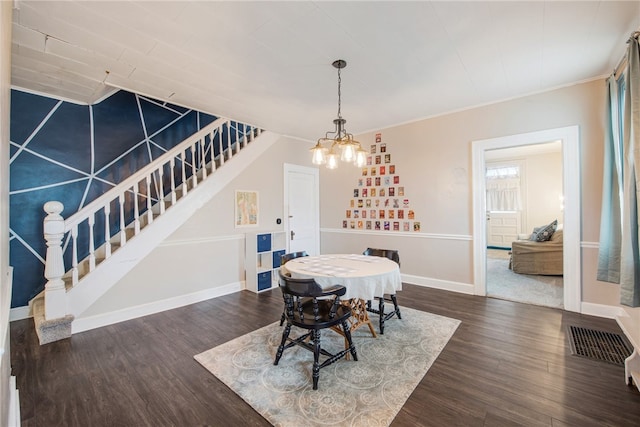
[(433, 157), (543, 190)]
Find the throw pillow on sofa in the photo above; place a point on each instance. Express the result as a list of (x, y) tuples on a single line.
[(544, 233)]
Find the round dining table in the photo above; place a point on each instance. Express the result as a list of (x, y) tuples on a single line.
[(364, 278)]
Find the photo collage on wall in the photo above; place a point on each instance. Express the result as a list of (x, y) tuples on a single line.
[(379, 201)]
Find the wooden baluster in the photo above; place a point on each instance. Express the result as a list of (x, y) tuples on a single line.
[(136, 210), (213, 153), (229, 147), (55, 292), (107, 231), (238, 147), (194, 166), (172, 166), (244, 134), (92, 251), (221, 133), (161, 188), (74, 255), (149, 212), (185, 188), (123, 231), (203, 157)]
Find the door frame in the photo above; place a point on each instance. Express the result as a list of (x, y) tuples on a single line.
[(570, 139), (288, 168)]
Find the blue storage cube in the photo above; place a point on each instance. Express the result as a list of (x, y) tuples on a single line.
[(264, 242), (277, 256), (264, 280)]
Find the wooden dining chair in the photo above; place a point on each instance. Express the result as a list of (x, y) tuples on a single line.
[(283, 260), (324, 311), (393, 255)]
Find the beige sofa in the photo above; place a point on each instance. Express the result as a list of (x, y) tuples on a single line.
[(545, 258)]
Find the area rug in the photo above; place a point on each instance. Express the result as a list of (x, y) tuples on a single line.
[(369, 392)]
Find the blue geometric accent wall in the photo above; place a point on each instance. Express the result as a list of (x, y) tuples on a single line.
[(73, 154)]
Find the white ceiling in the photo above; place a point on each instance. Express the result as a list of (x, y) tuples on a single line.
[(269, 63)]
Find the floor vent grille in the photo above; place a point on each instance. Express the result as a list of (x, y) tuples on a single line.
[(598, 345)]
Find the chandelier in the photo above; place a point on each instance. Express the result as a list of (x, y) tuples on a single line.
[(339, 142)]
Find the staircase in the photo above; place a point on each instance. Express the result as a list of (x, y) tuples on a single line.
[(103, 241)]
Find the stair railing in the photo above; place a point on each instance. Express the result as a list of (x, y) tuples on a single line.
[(109, 221)]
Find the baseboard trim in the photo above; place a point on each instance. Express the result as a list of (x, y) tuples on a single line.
[(14, 404), (445, 285), (600, 310), (20, 313), (92, 322)]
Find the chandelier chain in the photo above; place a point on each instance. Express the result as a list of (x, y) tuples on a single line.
[(339, 94)]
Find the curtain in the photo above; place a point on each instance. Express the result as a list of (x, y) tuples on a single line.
[(503, 189), (629, 255), (610, 218)]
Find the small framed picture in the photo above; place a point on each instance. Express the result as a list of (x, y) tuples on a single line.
[(387, 158), (383, 148), (246, 208), (378, 137)]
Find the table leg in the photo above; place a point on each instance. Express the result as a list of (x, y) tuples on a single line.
[(359, 317)]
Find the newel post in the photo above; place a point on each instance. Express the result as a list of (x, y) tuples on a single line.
[(55, 294)]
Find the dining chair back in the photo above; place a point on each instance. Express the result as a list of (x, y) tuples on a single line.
[(393, 255), (292, 255), (283, 260), (320, 310)]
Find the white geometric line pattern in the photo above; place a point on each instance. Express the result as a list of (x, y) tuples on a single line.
[(73, 154)]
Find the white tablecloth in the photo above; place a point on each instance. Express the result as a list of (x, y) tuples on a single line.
[(365, 277)]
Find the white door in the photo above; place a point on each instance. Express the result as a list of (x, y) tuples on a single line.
[(502, 228), (302, 203)]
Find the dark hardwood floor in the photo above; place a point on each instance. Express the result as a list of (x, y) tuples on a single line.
[(507, 364)]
